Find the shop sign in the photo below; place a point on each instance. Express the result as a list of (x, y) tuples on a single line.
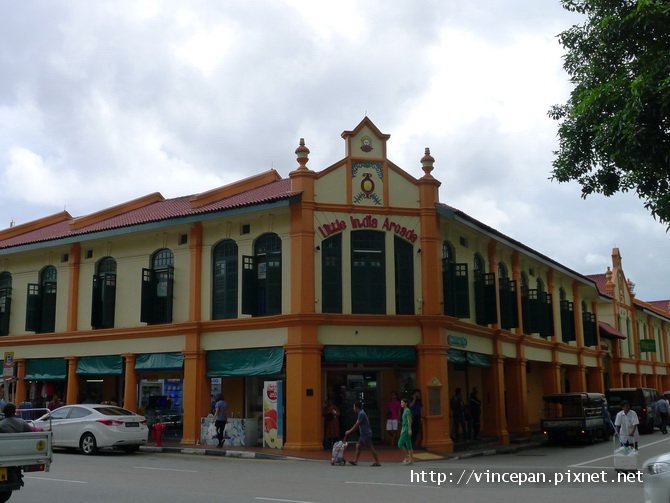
[(648, 345), (273, 424), (458, 341), (368, 222)]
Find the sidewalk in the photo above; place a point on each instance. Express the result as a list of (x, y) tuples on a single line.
[(387, 453)]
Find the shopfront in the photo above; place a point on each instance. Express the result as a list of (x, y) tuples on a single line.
[(240, 374), (160, 396), (100, 379), (367, 374), (45, 378)]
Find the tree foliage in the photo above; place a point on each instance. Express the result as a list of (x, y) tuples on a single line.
[(614, 131)]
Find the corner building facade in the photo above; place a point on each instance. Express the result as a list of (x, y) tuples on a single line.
[(346, 283)]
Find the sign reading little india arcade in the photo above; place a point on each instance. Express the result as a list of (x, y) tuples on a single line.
[(368, 222)]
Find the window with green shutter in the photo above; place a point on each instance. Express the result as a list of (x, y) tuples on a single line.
[(224, 280), (103, 301), (404, 276), (368, 272), (158, 288), (5, 301), (331, 274), (567, 321)]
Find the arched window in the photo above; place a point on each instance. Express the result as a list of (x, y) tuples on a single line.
[(455, 284), (478, 265), (41, 302), (103, 303), (224, 280), (331, 274), (5, 301), (157, 288), (502, 271), (261, 277), (368, 272)]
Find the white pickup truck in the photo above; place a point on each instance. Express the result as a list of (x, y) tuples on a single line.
[(21, 452)]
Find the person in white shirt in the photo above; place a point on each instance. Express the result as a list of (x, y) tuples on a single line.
[(626, 423)]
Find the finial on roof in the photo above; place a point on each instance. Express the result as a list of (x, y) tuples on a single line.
[(609, 284), (302, 154), (427, 162)]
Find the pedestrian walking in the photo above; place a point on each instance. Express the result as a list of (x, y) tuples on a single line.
[(626, 423), (662, 410), (220, 418), (362, 424), (405, 440)]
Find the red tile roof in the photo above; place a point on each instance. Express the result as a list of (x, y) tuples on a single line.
[(661, 305), (600, 280), (158, 211)]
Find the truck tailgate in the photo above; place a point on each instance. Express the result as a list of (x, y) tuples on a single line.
[(19, 449)]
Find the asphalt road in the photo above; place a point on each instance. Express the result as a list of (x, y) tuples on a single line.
[(549, 474)]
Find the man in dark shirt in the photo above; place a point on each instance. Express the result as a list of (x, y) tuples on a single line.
[(362, 424), (11, 423)]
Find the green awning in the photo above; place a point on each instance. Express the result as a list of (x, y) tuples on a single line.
[(100, 365), (245, 362), (159, 361), (456, 356), (46, 369), (374, 354), (475, 359)]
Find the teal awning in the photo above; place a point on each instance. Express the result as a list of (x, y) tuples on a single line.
[(159, 361), (374, 354), (475, 359), (245, 362), (456, 356), (100, 365), (46, 369)]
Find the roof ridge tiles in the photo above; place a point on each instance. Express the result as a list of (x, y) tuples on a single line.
[(235, 188), (115, 211), (33, 225)]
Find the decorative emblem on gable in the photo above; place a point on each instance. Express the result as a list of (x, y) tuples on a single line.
[(366, 144), (368, 183)]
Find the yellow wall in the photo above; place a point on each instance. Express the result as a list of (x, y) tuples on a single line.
[(163, 344), (365, 335), (332, 187), (402, 193)]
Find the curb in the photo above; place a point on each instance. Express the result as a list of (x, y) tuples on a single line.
[(215, 452)]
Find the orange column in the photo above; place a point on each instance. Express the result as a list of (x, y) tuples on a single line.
[(493, 407), (517, 395), (595, 381), (304, 424), (130, 383), (433, 381), (195, 283), (72, 393), (73, 290), (196, 390), (552, 377), (21, 388), (577, 377)]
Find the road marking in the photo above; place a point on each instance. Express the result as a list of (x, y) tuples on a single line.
[(612, 455), (164, 469), (388, 484), (55, 480), (286, 501)]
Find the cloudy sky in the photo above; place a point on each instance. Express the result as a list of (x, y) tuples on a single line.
[(105, 101)]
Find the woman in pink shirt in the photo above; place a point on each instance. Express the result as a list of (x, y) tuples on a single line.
[(393, 409)]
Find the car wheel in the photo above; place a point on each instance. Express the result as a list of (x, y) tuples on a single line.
[(130, 448), (88, 444)]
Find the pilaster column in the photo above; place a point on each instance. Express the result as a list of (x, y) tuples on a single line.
[(130, 383), (196, 394), (577, 377), (21, 389), (493, 407), (433, 380), (72, 393), (73, 287), (195, 277), (595, 379), (517, 395), (304, 424)]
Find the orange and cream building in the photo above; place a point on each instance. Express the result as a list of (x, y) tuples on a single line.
[(345, 283)]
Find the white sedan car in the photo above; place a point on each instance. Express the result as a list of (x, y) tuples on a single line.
[(657, 479), (91, 426)]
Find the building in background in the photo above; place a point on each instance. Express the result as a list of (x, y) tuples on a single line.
[(345, 283)]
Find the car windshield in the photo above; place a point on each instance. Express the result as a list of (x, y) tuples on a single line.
[(113, 411)]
